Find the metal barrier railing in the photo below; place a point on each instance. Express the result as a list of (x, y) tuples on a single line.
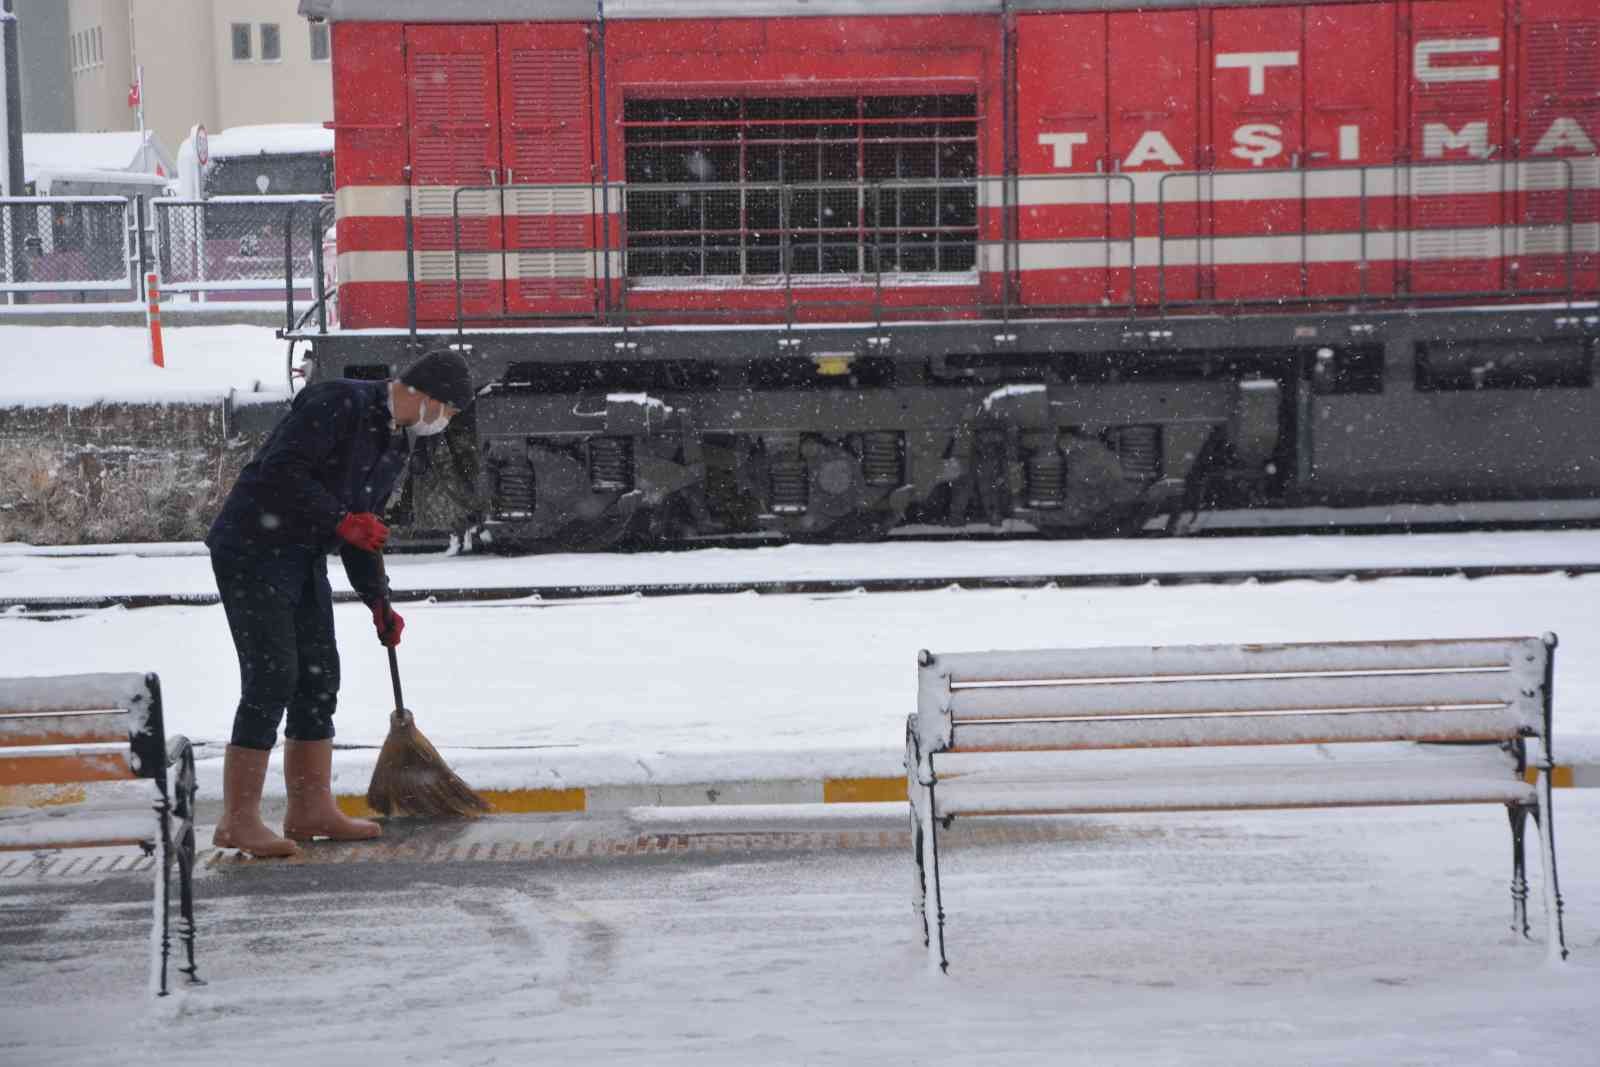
[(76, 244), (880, 250), (1418, 195), (1530, 225), (226, 246), (233, 244)]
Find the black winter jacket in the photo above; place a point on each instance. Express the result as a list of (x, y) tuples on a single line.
[(336, 452)]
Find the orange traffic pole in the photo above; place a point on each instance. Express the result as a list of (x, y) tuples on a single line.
[(153, 317)]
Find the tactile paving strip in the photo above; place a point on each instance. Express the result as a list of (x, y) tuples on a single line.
[(577, 846)]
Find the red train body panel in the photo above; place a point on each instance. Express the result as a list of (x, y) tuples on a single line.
[(1398, 150), (1242, 154)]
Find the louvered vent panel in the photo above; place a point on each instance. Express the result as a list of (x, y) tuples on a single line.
[(450, 112), (549, 116)]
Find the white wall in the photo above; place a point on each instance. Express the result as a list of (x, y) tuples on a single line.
[(190, 75), (290, 89)]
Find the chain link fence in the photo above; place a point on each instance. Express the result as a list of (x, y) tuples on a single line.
[(233, 246), (77, 244), (226, 248)]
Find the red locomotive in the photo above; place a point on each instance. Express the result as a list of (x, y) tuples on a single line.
[(826, 268)]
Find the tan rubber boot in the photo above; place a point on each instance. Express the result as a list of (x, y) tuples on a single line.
[(308, 774), (244, 772)]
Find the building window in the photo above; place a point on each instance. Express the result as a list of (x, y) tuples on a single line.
[(72, 49), (99, 48), (764, 186), (241, 40), (319, 42), (271, 46)]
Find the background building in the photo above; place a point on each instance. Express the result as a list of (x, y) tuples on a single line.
[(220, 63)]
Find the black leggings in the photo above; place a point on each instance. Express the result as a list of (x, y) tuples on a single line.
[(280, 610)]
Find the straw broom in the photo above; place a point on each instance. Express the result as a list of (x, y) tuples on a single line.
[(411, 778)]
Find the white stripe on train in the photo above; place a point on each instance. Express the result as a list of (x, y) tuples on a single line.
[(1486, 243), (1172, 187)]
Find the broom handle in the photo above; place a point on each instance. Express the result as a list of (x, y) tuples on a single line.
[(394, 660), (394, 676)]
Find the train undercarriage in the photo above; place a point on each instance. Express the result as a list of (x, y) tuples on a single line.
[(590, 438)]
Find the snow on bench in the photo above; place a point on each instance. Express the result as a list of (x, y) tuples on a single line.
[(83, 728), (1092, 731)]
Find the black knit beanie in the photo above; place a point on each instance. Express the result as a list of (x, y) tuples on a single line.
[(443, 375)]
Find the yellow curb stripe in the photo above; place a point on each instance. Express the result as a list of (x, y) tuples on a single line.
[(863, 790), (1560, 777), (533, 801), (354, 806), (524, 801)]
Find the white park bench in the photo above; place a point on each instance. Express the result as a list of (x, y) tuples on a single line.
[(92, 728), (1406, 722)]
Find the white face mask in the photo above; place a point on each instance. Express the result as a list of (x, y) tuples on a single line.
[(429, 427)]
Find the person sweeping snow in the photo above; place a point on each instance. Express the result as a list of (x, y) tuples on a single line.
[(319, 482)]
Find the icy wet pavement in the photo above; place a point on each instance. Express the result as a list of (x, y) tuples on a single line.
[(1327, 937)]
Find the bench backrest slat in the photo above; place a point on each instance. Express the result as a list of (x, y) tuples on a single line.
[(1144, 661), (62, 728), (83, 727), (1180, 696), (1492, 688), (1248, 729), (64, 764)]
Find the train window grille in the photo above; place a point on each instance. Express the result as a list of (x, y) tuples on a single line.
[(860, 186)]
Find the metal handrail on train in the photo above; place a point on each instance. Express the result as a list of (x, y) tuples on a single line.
[(1408, 194), (623, 316), (867, 239)]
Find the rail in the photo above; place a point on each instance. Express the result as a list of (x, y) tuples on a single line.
[(1395, 185), (1084, 244)]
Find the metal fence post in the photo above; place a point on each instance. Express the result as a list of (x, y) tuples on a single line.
[(141, 249), (319, 290), (288, 269), (200, 249)]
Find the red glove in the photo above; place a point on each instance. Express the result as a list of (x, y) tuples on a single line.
[(387, 622), (364, 530)]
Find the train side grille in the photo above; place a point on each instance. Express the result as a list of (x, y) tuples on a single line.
[(881, 462), (1139, 448), (1045, 480), (610, 464), (791, 486), (513, 490)]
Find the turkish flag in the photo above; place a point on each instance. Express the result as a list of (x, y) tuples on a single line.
[(133, 95)]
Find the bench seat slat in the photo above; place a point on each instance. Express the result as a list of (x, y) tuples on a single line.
[(1234, 695), (1485, 724), (77, 829), (62, 728), (1476, 778), (965, 667), (59, 765)]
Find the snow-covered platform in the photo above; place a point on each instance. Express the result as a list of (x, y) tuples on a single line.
[(708, 936)]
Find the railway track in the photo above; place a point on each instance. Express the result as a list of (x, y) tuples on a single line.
[(58, 608)]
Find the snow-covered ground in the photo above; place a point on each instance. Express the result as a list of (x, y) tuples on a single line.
[(1326, 937), (84, 364), (784, 680), (1330, 937)]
